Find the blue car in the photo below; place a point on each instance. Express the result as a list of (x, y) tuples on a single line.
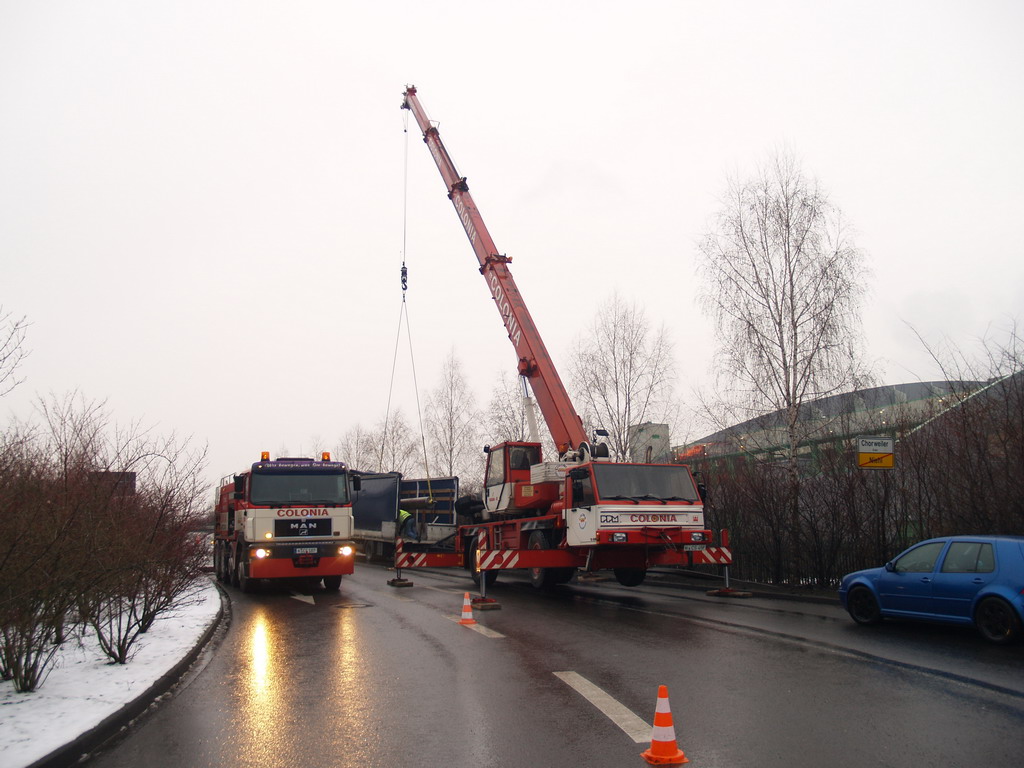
[(975, 580)]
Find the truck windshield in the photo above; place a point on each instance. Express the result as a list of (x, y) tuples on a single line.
[(644, 482), (298, 488)]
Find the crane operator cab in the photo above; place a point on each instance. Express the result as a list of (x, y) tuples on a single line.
[(508, 487)]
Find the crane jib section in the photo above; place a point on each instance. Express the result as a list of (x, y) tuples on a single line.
[(533, 360)]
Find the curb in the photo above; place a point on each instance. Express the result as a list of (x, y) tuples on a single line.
[(678, 581), (107, 729)]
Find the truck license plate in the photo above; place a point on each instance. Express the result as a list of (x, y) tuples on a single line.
[(304, 550), (694, 547)]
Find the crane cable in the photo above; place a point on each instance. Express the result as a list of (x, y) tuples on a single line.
[(403, 315)]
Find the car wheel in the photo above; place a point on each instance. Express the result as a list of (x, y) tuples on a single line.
[(997, 621), (863, 606)]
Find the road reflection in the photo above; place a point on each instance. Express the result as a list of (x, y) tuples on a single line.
[(306, 688), (259, 654), (262, 709), (354, 714)]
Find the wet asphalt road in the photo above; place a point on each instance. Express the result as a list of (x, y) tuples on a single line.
[(377, 676)]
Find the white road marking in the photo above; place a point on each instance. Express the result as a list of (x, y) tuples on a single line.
[(304, 598), (477, 628), (634, 727)]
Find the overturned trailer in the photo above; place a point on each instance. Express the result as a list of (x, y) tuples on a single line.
[(375, 508)]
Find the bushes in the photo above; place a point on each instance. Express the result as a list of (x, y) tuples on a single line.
[(99, 533), (958, 471)]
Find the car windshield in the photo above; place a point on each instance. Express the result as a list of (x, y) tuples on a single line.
[(298, 488), (644, 482)]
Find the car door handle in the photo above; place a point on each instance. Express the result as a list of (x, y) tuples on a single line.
[(926, 579)]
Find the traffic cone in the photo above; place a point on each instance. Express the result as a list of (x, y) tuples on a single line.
[(467, 612), (664, 749)]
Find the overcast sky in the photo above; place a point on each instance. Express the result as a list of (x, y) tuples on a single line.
[(202, 205)]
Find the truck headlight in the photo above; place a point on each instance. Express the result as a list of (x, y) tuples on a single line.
[(262, 553), (697, 537), (345, 551), (620, 538)]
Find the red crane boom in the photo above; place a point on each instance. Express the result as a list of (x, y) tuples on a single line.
[(534, 363)]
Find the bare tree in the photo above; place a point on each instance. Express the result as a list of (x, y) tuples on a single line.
[(452, 422), (398, 446), (12, 350), (784, 284), (505, 418), (359, 448), (975, 446), (622, 373)]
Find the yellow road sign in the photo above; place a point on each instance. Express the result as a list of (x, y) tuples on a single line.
[(875, 460), (875, 452)]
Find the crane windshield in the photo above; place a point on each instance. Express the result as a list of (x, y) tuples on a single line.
[(644, 482)]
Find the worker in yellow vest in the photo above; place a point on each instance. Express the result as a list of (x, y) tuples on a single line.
[(407, 526)]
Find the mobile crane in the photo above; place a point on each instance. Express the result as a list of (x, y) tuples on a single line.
[(582, 511)]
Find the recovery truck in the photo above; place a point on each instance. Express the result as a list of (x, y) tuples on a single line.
[(582, 512), (287, 518)]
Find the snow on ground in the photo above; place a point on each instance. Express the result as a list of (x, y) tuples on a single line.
[(83, 688)]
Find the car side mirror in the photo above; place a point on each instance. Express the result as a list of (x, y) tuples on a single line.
[(890, 567)]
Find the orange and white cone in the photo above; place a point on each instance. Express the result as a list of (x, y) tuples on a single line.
[(664, 749), (467, 612)]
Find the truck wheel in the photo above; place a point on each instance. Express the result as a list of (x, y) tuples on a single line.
[(231, 570), (630, 577), (544, 578), (223, 565), (244, 582), (332, 583), (489, 576), (218, 566)]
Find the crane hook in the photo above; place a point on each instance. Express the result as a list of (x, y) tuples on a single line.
[(405, 278)]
